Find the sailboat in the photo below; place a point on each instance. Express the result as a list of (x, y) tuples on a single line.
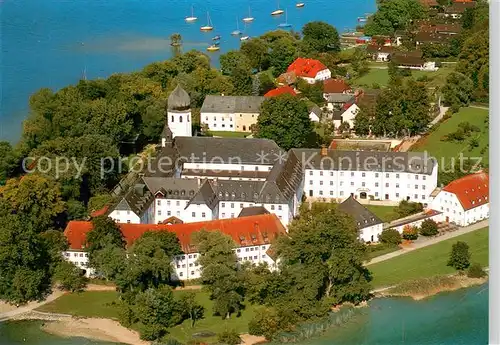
[(236, 32), (213, 48), (285, 24), (299, 4), (209, 26), (244, 38), (192, 18), (248, 19), (278, 11)]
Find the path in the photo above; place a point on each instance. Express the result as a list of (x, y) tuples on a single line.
[(430, 241), (28, 307), (442, 112)]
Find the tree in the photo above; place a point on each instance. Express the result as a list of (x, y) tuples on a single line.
[(36, 198), (410, 233), (459, 256), (156, 310), (282, 53), (54, 243), (407, 208), (458, 90), (321, 37), (429, 228), (476, 271), (193, 310), (390, 236), (219, 271), (267, 322), (362, 123), (75, 210), (393, 15), (265, 83), (8, 161), (150, 259), (285, 119), (344, 127), (256, 51), (313, 92), (175, 40), (229, 337), (98, 201), (24, 262), (232, 60), (69, 277)]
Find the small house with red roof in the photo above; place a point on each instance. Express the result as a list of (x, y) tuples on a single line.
[(380, 53), (281, 91), (335, 86), (252, 236), (465, 201), (311, 70)]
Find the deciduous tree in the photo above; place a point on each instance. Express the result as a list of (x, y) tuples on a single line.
[(459, 256), (321, 37)]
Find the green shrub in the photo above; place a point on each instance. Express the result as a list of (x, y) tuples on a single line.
[(429, 228), (229, 337), (410, 233), (476, 271), (390, 236), (459, 256)]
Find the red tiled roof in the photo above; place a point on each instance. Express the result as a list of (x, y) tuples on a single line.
[(429, 3), (280, 91), (471, 190), (374, 48), (335, 86), (246, 231), (100, 212), (306, 67)]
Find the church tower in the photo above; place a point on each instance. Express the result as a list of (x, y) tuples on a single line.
[(179, 113)]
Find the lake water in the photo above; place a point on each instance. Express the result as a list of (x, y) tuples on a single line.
[(454, 318), (53, 43)]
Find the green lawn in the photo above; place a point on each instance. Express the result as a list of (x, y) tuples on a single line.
[(227, 134), (85, 304), (428, 261), (385, 213), (444, 151), (381, 76), (102, 304)]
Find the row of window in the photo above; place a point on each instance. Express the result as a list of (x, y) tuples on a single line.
[(363, 174), (76, 255), (183, 257), (363, 184), (250, 258), (251, 249), (376, 194), (190, 265), (180, 118), (193, 214)]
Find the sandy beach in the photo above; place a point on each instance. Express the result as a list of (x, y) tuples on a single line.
[(94, 328)]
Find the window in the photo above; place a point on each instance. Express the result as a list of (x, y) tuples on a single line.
[(223, 204), (331, 183), (310, 182), (362, 184), (352, 183), (232, 205), (397, 185), (397, 175), (376, 193), (331, 173), (376, 174), (423, 197), (416, 196), (232, 215), (341, 173), (169, 213), (128, 221), (397, 195), (184, 266), (387, 175), (416, 177), (177, 203), (310, 173), (158, 202), (424, 177), (241, 205), (416, 186), (272, 207), (247, 249), (320, 183), (341, 193), (363, 174), (178, 266), (168, 202), (178, 213), (172, 118), (159, 212), (180, 118), (320, 173), (423, 187), (320, 192), (341, 183), (331, 193), (352, 174), (202, 214), (190, 265), (180, 274), (387, 185), (376, 184), (255, 257), (223, 215), (280, 207), (192, 272)]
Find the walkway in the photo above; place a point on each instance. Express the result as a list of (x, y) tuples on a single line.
[(28, 307), (424, 242)]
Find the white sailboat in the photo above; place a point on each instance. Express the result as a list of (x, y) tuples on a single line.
[(192, 18), (285, 24), (209, 26), (248, 19), (278, 11), (236, 32), (300, 4)]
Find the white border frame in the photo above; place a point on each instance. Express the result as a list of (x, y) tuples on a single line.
[(494, 222)]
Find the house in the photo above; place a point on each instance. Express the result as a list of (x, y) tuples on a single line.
[(315, 113), (409, 61), (368, 225), (456, 9), (336, 101), (380, 53), (287, 78), (281, 91), (230, 113), (429, 3), (335, 86), (253, 211), (424, 37), (395, 176), (464, 201), (346, 114), (252, 236), (310, 70), (414, 220)]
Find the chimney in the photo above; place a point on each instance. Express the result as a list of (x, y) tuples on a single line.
[(139, 189), (163, 142), (324, 151)]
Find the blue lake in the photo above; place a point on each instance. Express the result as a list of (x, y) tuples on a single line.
[(53, 43)]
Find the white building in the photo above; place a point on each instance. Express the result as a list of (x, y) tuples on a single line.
[(369, 225), (179, 113), (380, 53), (464, 201), (393, 176), (230, 113), (310, 70), (252, 236)]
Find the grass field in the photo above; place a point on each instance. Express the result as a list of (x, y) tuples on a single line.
[(385, 213), (228, 134), (381, 76), (444, 151), (428, 261), (103, 304)]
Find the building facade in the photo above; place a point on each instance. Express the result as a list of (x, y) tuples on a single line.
[(369, 225), (179, 113), (310, 70), (252, 236)]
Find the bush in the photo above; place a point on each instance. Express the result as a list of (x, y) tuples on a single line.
[(459, 256), (230, 337), (410, 233), (476, 271), (429, 228), (69, 277), (390, 236), (407, 208)]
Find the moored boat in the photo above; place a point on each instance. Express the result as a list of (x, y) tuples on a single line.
[(213, 48), (300, 4), (248, 19), (278, 11), (209, 26), (192, 18)]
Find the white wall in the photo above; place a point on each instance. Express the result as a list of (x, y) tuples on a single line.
[(180, 123), (453, 211), (350, 114), (437, 218), (219, 121), (383, 186), (371, 233), (120, 216)]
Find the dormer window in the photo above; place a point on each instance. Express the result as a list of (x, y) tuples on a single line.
[(227, 195), (220, 194), (233, 194), (255, 195), (243, 195), (183, 192)]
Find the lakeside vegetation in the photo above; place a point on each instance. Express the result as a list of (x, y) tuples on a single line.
[(429, 261)]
